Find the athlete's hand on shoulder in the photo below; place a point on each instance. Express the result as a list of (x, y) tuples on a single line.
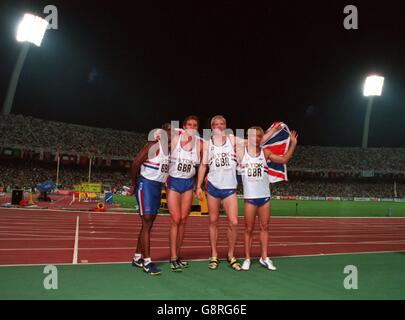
[(294, 137), (156, 134)]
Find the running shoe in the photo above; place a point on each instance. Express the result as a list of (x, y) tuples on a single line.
[(268, 264), (183, 263), (138, 263), (151, 269), (246, 265), (175, 265)]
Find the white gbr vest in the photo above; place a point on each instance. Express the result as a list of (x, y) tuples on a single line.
[(157, 168), (255, 176), (222, 165), (183, 162)]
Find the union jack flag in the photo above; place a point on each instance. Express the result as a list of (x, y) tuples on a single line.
[(278, 144)]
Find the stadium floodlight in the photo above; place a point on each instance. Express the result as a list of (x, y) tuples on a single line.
[(31, 29), (372, 88)]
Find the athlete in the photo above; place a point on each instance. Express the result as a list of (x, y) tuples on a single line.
[(153, 163), (219, 157), (256, 190), (185, 156)]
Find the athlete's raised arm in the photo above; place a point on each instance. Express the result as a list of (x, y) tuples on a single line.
[(270, 131), (283, 159)]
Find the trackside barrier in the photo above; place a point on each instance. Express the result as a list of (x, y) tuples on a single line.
[(360, 199)]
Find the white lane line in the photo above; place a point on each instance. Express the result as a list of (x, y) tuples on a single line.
[(206, 259), (76, 247), (112, 213), (200, 246)]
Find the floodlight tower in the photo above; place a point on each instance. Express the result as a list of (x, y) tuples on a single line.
[(31, 29), (372, 88)]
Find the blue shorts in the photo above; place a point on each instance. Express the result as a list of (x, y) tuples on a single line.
[(148, 195), (180, 185), (258, 202), (219, 193)]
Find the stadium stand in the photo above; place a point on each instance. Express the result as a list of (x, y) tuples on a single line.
[(26, 174), (354, 159), (339, 188), (28, 149), (25, 132)]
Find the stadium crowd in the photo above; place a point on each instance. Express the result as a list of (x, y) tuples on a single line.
[(334, 158), (23, 174), (29, 132), (340, 188), (27, 175), (313, 171)]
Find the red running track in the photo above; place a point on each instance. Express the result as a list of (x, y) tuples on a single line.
[(52, 237)]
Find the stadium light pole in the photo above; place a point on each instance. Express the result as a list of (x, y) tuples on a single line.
[(372, 88), (31, 29), (91, 157), (57, 169)]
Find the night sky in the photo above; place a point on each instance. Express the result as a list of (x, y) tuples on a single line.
[(133, 65)]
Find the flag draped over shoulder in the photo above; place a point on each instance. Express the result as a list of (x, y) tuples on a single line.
[(278, 144)]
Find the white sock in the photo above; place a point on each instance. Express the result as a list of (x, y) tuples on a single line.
[(146, 261), (137, 256)]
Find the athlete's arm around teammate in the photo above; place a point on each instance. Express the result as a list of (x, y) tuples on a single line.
[(140, 158), (241, 143)]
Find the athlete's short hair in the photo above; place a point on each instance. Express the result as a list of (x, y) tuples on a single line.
[(256, 128), (216, 118), (191, 118), (166, 126)]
